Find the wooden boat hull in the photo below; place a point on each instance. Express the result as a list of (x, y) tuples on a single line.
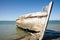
[(35, 22)]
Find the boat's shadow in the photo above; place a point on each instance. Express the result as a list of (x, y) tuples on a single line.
[(51, 34)]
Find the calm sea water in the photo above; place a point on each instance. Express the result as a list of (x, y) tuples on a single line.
[(8, 29)]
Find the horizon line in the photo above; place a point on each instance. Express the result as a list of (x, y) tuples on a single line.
[(15, 20)]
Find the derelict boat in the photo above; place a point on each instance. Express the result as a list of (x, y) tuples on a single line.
[(35, 23)]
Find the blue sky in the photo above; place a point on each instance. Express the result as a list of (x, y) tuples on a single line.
[(12, 9)]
